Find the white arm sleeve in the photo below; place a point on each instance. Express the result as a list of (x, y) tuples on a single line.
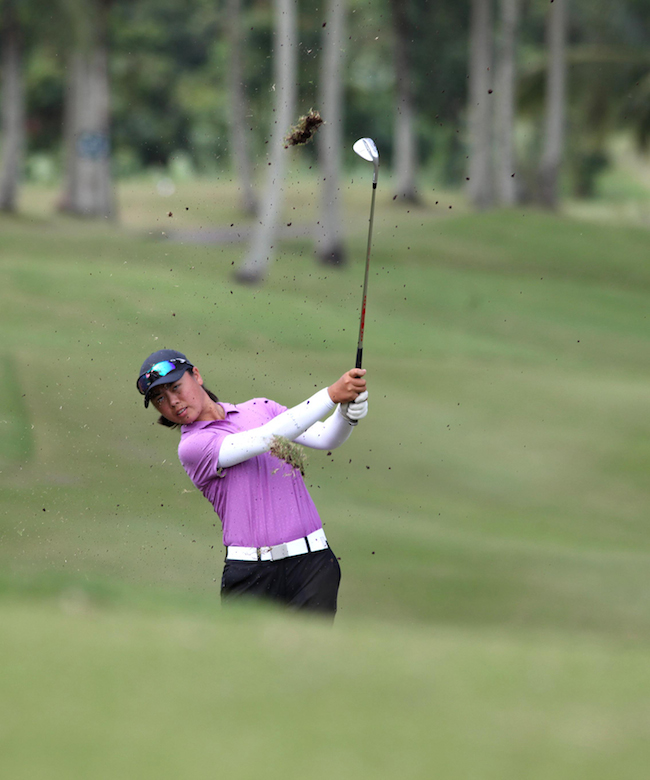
[(327, 435), (238, 447)]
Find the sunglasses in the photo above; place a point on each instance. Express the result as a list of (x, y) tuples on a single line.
[(159, 370)]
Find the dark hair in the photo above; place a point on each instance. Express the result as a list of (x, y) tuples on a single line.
[(169, 424)]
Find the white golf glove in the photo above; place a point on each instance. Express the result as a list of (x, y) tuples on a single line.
[(356, 410)]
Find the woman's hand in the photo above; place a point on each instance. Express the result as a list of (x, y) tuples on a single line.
[(348, 387)]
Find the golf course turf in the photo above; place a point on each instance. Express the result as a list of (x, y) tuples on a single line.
[(490, 514)]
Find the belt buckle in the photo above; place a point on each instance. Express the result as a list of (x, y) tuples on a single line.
[(279, 551)]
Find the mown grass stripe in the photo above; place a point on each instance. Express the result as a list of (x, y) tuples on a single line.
[(16, 440)]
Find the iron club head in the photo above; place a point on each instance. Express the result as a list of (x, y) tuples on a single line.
[(366, 148)]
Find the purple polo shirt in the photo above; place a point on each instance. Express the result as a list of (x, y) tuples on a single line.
[(262, 501)]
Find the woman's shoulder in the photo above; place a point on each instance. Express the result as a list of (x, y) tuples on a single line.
[(263, 407), (255, 402)]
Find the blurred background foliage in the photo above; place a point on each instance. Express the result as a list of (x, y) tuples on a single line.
[(168, 62)]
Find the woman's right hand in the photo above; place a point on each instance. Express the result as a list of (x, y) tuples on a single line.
[(348, 387)]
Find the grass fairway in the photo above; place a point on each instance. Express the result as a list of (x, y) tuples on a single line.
[(165, 695), (490, 514)]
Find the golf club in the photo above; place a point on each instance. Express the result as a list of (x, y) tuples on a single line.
[(366, 148)]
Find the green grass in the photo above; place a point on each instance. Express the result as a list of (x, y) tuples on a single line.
[(490, 514), (17, 442), (167, 695)]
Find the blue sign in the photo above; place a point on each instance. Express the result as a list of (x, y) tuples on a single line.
[(92, 145)]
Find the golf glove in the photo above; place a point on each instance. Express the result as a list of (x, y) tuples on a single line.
[(356, 410)]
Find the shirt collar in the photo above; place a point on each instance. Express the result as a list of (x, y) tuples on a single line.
[(228, 408)]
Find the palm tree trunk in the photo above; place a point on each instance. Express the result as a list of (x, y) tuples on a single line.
[(255, 266), (88, 185), (329, 240), (505, 102), (12, 122), (555, 111), (405, 152), (480, 170), (238, 127)]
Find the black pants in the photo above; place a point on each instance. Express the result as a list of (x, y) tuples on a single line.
[(306, 582)]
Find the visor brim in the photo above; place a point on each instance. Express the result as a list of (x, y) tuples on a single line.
[(168, 379)]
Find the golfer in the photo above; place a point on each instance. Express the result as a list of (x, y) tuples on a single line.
[(275, 544)]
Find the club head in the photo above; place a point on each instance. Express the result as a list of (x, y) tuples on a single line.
[(366, 148)]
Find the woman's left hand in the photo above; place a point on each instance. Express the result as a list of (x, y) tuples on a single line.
[(356, 410)]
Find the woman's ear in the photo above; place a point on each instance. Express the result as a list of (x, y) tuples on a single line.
[(196, 375)]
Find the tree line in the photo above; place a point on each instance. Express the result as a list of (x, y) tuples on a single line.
[(510, 97)]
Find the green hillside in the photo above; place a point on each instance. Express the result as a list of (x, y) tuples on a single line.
[(490, 514)]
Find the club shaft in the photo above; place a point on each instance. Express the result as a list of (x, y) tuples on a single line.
[(362, 323)]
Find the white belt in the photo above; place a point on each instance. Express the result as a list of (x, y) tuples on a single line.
[(312, 543)]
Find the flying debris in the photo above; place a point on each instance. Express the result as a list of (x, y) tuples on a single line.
[(305, 129)]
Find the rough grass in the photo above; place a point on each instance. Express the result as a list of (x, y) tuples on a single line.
[(490, 514)]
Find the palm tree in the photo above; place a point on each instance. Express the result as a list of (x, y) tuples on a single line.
[(555, 110), (405, 152), (12, 121), (238, 131), (88, 186), (480, 169), (329, 240), (505, 102), (255, 266)]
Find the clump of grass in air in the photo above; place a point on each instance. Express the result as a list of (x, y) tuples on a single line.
[(305, 129), (290, 453)]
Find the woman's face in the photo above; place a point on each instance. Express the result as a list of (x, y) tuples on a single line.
[(185, 401)]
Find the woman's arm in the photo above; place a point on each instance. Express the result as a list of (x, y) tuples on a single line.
[(334, 431), (238, 447)]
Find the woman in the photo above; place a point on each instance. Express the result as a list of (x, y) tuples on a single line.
[(275, 544)]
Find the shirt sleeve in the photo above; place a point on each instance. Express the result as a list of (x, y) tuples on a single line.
[(238, 447), (199, 454)]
